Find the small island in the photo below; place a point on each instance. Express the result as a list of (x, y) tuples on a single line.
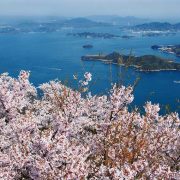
[(8, 29), (94, 35), (141, 63), (156, 34), (171, 49), (87, 46), (127, 37), (99, 35)]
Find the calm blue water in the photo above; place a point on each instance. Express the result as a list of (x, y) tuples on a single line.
[(54, 55)]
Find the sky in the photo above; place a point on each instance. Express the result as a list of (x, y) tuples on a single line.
[(74, 8)]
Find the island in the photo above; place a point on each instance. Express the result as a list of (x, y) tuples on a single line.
[(171, 49), (127, 37), (157, 26), (94, 35), (156, 34), (87, 46), (141, 63), (7, 29), (99, 35), (51, 24)]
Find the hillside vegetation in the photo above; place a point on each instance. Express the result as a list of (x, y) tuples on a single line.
[(142, 63)]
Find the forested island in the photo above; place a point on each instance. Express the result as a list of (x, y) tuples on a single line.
[(141, 63)]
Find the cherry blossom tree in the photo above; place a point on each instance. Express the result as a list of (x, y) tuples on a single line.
[(64, 135)]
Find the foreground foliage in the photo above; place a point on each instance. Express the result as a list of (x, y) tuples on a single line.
[(65, 136)]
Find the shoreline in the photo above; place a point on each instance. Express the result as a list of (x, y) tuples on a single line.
[(106, 61)]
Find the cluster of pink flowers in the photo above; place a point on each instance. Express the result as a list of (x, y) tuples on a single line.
[(84, 83), (64, 135)]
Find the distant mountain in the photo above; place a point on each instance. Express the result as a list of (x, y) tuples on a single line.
[(177, 25), (49, 25), (69, 22), (157, 26), (17, 20), (83, 22), (118, 20)]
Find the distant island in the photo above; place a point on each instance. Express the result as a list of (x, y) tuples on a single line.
[(99, 35), (82, 22), (94, 35), (141, 63), (156, 34), (7, 29), (157, 26), (49, 25), (116, 20), (53, 24), (127, 36), (171, 49), (87, 46)]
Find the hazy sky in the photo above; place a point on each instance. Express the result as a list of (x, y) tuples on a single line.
[(145, 8)]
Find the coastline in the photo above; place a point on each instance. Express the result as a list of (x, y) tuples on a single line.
[(111, 61)]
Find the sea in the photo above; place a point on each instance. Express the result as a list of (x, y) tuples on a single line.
[(57, 56)]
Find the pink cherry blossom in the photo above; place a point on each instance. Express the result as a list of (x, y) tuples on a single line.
[(64, 135)]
